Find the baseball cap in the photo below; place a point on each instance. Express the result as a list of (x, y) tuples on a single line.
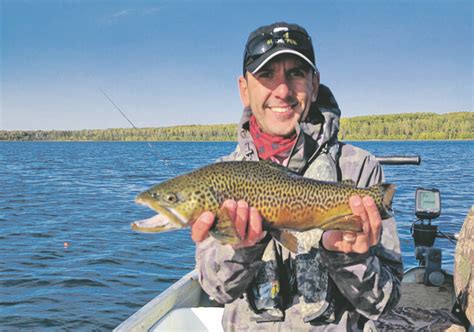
[(268, 41)]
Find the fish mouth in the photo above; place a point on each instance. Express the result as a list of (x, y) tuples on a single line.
[(156, 224), (167, 219)]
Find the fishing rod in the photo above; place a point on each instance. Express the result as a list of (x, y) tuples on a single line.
[(134, 127)]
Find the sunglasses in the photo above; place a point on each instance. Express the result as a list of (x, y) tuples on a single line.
[(290, 38)]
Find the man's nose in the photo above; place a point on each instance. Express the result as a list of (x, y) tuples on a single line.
[(282, 88)]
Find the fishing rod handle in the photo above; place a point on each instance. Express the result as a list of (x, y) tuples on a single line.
[(399, 160)]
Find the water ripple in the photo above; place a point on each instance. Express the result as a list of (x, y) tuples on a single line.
[(81, 282)]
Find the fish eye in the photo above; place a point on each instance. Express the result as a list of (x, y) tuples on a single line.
[(171, 198)]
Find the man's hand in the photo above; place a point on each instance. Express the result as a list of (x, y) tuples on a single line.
[(350, 242), (247, 221)]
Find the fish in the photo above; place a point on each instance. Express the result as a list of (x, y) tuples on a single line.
[(286, 200)]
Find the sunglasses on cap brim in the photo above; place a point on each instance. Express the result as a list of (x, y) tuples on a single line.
[(290, 38)]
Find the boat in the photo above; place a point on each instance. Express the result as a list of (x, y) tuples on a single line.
[(186, 307), (429, 293)]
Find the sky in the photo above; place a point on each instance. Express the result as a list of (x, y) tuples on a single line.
[(177, 62)]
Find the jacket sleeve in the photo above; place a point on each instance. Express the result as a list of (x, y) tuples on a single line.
[(370, 282), (225, 273)]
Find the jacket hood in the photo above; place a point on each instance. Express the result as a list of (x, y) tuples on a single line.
[(326, 113)]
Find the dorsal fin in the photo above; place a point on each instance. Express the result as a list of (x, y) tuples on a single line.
[(349, 182), (276, 166)]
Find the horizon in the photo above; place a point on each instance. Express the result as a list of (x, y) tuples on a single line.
[(168, 63), (217, 124)]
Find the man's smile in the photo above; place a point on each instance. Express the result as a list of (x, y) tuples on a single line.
[(281, 109)]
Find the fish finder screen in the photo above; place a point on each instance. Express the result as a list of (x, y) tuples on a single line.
[(428, 203), (428, 200)]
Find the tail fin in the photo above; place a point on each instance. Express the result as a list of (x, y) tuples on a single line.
[(387, 191)]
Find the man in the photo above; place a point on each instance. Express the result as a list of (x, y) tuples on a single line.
[(337, 280)]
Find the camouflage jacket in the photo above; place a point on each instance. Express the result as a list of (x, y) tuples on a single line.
[(266, 287)]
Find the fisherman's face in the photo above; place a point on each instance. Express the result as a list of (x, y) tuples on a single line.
[(280, 94)]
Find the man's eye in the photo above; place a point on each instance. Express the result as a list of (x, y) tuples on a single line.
[(265, 74), (297, 73)]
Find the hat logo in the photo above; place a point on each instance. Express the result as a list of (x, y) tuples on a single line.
[(288, 40), (284, 39)]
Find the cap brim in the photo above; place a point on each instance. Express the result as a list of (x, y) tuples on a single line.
[(276, 53)]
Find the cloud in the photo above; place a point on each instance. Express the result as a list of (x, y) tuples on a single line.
[(115, 17), (126, 13), (151, 11)]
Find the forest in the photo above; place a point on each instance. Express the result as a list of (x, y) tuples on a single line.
[(409, 126), (404, 126)]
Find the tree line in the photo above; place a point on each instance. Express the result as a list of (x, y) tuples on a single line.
[(405, 126), (409, 126)]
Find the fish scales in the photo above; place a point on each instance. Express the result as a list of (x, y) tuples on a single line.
[(284, 199)]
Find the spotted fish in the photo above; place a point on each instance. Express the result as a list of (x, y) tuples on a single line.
[(285, 200)]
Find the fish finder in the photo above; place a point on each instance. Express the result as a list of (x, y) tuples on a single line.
[(427, 207), (427, 203)]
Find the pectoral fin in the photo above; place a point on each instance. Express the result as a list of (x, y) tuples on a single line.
[(224, 229), (286, 239), (348, 222)]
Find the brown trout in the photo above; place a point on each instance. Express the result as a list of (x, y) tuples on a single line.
[(285, 200)]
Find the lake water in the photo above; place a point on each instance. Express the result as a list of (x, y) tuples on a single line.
[(68, 259)]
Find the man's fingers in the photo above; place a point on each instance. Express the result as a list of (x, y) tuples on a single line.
[(355, 203), (346, 247), (254, 231), (345, 241), (375, 221), (332, 240), (242, 218), (349, 237), (201, 227), (361, 244), (358, 208), (231, 207)]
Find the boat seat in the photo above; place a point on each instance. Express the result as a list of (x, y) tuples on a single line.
[(191, 319)]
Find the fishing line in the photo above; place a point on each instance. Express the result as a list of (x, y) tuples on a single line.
[(138, 130)]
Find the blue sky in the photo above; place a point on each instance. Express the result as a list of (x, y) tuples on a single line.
[(177, 62)]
